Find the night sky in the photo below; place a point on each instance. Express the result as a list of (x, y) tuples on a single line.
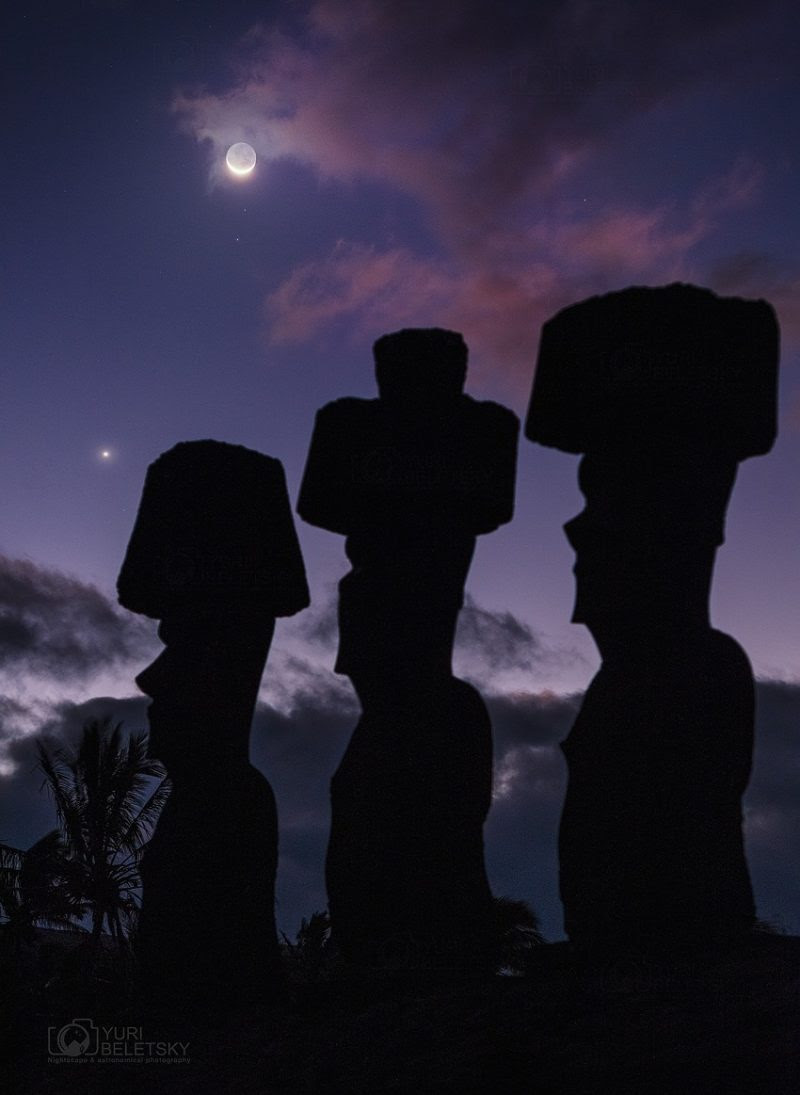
[(457, 164)]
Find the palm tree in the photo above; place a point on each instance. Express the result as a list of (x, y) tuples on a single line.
[(107, 808), (35, 890)]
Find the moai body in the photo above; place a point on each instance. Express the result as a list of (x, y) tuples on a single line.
[(411, 479), (213, 556), (663, 391)]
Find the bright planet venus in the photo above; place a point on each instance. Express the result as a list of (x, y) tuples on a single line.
[(241, 158)]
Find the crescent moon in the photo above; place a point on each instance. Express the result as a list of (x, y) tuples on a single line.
[(241, 158)]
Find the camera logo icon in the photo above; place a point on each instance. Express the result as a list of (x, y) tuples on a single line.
[(79, 1038)]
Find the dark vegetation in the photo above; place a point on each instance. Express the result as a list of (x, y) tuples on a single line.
[(543, 1019)]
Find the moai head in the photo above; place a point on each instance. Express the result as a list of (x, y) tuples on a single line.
[(214, 535), (663, 390), (213, 556), (422, 447)]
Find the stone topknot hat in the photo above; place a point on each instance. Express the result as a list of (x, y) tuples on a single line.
[(420, 360)]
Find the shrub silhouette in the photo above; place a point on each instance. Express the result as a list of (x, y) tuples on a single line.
[(35, 891), (517, 934)]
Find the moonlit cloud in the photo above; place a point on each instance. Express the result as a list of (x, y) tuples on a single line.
[(293, 680), (53, 625), (57, 636), (499, 638)]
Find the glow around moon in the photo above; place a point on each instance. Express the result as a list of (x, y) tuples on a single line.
[(241, 158)]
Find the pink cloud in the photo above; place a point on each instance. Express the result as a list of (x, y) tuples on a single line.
[(356, 281), (385, 290), (481, 113), (497, 292)]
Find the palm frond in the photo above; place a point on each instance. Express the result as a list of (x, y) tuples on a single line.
[(60, 782), (107, 809), (143, 825)]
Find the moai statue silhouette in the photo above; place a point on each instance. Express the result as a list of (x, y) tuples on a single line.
[(213, 556), (410, 478), (664, 391)]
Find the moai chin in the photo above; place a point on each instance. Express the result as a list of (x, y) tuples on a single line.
[(410, 478), (214, 556), (663, 391)]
